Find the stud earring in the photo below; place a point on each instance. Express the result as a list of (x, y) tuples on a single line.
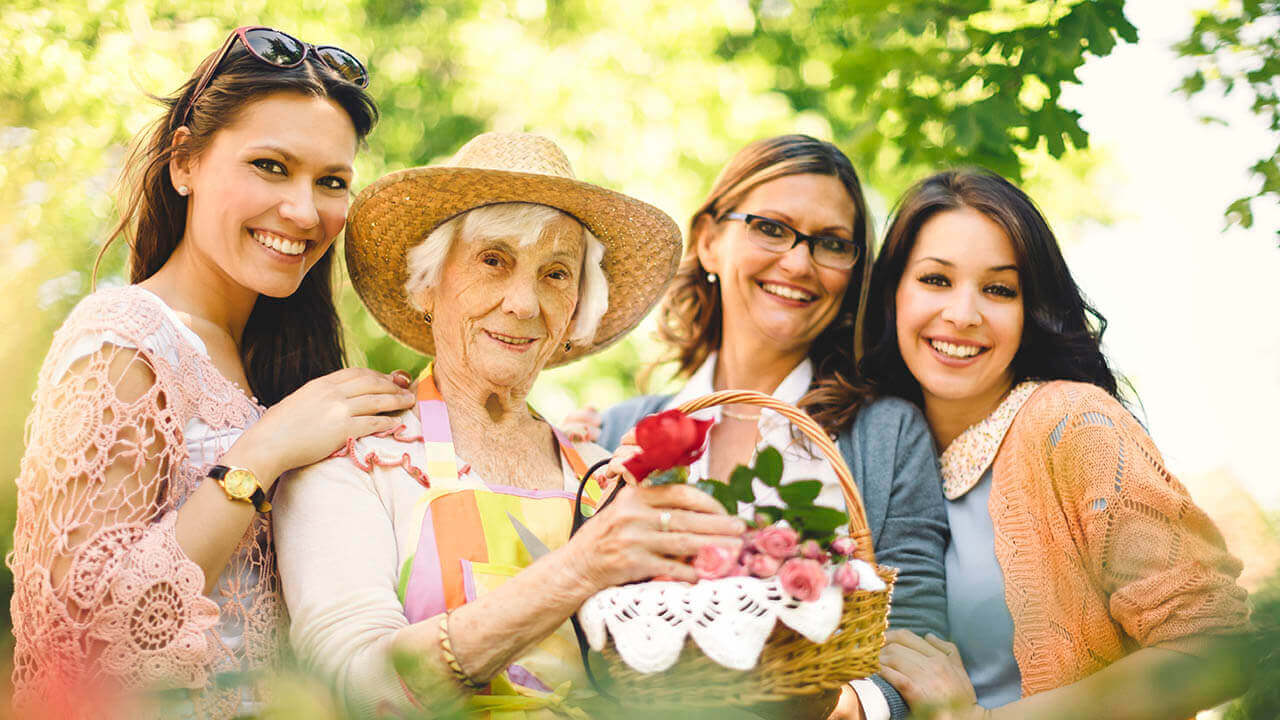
[(183, 190), (712, 278), (427, 317), (568, 346)]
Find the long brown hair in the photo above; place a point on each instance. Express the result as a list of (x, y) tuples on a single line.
[(1062, 335), (287, 341), (690, 319)]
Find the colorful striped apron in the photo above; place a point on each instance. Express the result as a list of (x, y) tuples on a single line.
[(467, 544)]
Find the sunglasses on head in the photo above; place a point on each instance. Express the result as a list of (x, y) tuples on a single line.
[(281, 50)]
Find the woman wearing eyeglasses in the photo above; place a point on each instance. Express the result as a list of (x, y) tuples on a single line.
[(166, 409), (768, 298)]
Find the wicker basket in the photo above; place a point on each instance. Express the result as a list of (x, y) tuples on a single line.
[(790, 665)]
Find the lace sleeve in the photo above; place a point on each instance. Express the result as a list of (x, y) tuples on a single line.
[(1162, 561), (103, 593)]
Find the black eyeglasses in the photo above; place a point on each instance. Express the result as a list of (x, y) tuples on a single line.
[(776, 236), (282, 50)]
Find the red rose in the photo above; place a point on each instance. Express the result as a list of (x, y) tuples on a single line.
[(668, 439), (780, 542), (715, 561), (802, 579)]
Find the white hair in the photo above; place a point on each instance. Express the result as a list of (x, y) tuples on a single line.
[(525, 221)]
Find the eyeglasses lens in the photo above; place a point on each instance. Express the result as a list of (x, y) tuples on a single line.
[(275, 47), (829, 252), (835, 253), (345, 64)]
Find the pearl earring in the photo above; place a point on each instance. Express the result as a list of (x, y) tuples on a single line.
[(183, 190), (712, 278)]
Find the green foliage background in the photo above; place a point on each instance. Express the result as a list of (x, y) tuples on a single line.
[(649, 98), (1236, 47)]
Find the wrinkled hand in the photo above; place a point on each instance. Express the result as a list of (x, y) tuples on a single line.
[(316, 419), (928, 671), (583, 425), (625, 543)]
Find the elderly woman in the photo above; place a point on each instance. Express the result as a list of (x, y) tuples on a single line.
[(432, 565)]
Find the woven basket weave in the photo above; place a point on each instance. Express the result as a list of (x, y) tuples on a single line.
[(790, 665)]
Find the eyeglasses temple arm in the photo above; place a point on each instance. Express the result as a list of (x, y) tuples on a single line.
[(207, 76)]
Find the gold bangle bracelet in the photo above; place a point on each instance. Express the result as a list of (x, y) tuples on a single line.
[(446, 651)]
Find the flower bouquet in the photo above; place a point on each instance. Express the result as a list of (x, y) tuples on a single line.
[(798, 610)]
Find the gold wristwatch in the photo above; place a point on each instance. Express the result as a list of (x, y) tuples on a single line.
[(241, 484)]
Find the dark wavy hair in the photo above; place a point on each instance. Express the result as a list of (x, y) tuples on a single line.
[(1062, 332), (287, 341), (690, 316)]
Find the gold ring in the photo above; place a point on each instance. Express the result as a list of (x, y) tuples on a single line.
[(664, 520)]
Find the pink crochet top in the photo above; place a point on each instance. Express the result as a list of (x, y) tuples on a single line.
[(129, 412)]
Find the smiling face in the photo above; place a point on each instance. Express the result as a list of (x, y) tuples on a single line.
[(959, 310), (784, 300), (270, 192), (504, 305)]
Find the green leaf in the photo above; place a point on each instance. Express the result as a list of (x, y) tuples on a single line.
[(673, 476), (815, 520), (740, 480), (721, 492), (769, 466), (773, 513), (801, 493), (1240, 212)]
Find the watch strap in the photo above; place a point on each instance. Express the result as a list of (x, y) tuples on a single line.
[(259, 499)]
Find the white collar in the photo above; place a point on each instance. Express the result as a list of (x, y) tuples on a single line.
[(702, 382)]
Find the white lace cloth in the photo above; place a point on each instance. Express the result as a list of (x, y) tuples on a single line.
[(730, 619)]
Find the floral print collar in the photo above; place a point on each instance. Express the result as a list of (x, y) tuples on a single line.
[(967, 458)]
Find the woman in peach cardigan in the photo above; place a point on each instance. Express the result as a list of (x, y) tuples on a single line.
[(1079, 568)]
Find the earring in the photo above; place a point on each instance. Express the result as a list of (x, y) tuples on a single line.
[(568, 346), (427, 317), (712, 278), (183, 190)]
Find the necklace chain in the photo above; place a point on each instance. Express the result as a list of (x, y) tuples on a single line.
[(738, 416)]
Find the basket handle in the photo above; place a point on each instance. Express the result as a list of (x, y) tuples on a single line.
[(858, 529)]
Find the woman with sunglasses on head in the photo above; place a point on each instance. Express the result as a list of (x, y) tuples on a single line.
[(768, 298), (1080, 573), (143, 557)]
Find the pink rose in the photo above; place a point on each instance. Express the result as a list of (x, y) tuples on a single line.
[(715, 561), (803, 579), (844, 545), (847, 577), (780, 542), (812, 550), (763, 566)]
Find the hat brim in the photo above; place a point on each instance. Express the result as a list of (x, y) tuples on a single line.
[(642, 244)]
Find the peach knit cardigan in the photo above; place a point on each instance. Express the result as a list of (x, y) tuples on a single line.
[(1102, 550), (104, 599)]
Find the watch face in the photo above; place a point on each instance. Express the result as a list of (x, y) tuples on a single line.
[(239, 483)]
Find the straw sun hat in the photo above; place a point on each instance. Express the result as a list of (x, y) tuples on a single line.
[(642, 243)]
